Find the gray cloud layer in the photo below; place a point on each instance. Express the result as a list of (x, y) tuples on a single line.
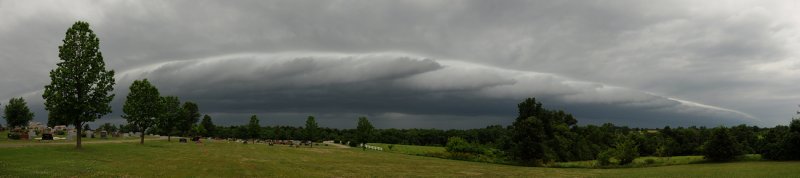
[(432, 63)]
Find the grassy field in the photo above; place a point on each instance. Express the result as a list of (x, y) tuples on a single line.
[(223, 159), (409, 149)]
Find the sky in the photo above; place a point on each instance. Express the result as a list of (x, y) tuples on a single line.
[(428, 63)]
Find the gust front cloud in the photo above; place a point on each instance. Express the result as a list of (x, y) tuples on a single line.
[(388, 85)]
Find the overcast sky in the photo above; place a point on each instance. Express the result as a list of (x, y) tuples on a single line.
[(426, 63)]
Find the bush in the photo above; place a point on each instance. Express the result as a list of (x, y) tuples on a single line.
[(459, 145), (626, 150), (353, 144), (649, 161), (14, 136), (391, 146), (604, 158)]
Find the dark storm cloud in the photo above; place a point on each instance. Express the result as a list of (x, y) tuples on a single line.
[(430, 63)]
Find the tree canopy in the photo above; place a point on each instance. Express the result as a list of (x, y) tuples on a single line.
[(364, 130), (142, 106), (17, 113), (253, 128), (80, 87), (170, 116), (311, 130), (189, 117), (208, 125)]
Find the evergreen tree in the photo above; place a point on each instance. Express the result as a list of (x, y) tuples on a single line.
[(311, 129), (253, 128), (208, 125)]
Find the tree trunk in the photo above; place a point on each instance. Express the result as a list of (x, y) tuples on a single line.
[(141, 142), (80, 133), (169, 138)]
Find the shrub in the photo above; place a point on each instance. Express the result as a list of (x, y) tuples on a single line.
[(353, 144), (604, 157), (626, 150), (14, 136), (649, 161), (459, 145), (391, 146)]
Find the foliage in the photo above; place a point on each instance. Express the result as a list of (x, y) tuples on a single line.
[(364, 131), (16, 113), (253, 128), (189, 116), (604, 158), (107, 127), (142, 106), (170, 116), (459, 145), (540, 135), (626, 150), (80, 88), (721, 146), (208, 125), (312, 129)]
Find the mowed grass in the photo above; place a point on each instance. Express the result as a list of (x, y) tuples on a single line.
[(409, 149), (222, 159)]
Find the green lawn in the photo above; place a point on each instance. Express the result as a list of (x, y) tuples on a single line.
[(409, 149), (222, 159)]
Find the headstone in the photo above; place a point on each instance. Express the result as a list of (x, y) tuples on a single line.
[(31, 134), (103, 134), (90, 134), (71, 135), (47, 136), (182, 140)]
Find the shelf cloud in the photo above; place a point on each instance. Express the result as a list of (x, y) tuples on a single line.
[(419, 63)]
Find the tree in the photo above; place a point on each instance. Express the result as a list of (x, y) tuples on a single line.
[(208, 125), (311, 129), (53, 120), (722, 146), (527, 142), (626, 149), (17, 113), (170, 115), (253, 128), (364, 131), (143, 106), (189, 117), (107, 127), (80, 87)]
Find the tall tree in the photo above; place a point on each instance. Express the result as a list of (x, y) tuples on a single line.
[(364, 131), (253, 128), (311, 129), (722, 146), (170, 115), (189, 117), (80, 87), (17, 113), (142, 106), (208, 125)]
